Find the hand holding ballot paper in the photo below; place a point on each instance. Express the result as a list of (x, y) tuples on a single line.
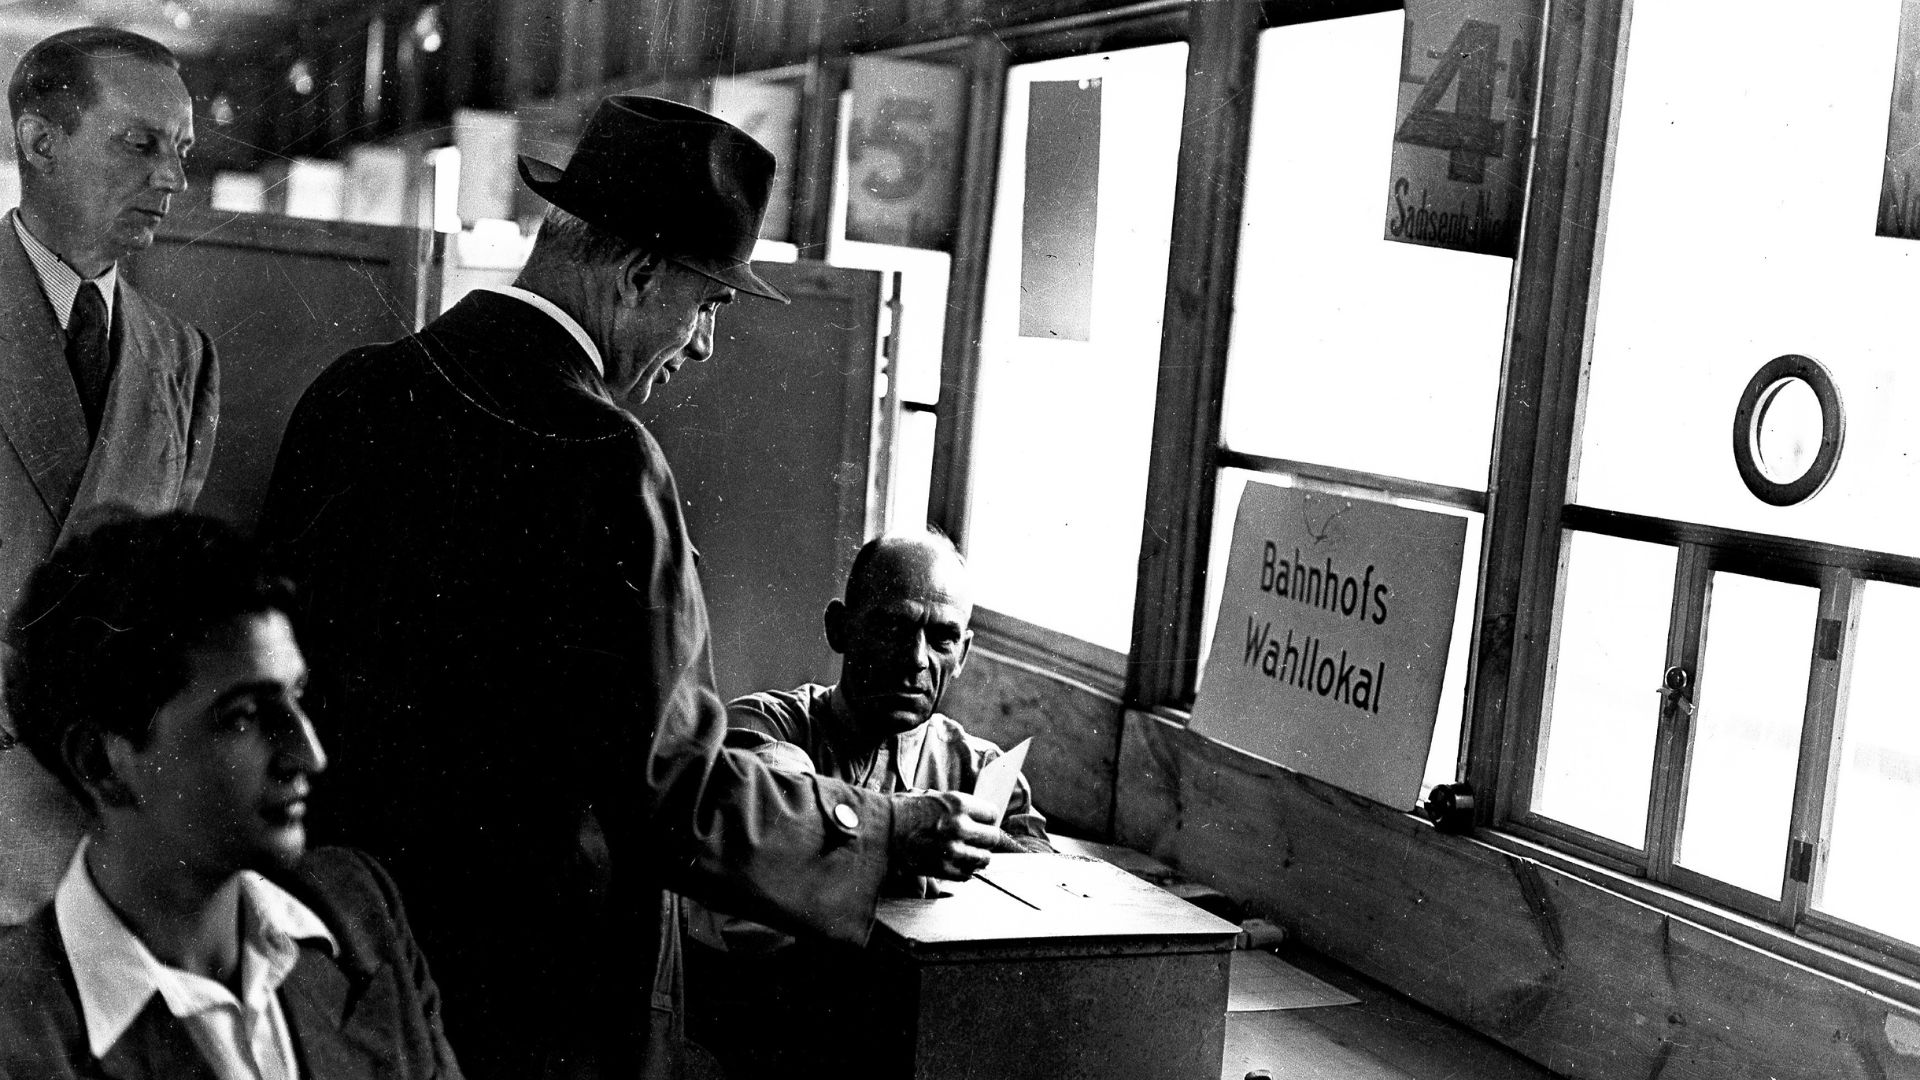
[(994, 790), (996, 782)]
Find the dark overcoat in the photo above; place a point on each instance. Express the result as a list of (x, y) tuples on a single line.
[(517, 694)]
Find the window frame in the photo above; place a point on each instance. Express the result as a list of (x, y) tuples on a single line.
[(987, 58), (1582, 75), (1840, 573), (1527, 515), (1160, 669)]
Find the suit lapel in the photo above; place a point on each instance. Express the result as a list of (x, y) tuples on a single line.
[(321, 998), (139, 459), (156, 1047), (39, 408)]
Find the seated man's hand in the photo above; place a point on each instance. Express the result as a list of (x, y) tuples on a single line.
[(1007, 843), (944, 834)]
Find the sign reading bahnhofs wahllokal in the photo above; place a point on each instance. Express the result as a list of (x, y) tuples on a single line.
[(1460, 133), (1332, 637)]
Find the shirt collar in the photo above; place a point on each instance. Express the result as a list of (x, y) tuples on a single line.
[(841, 714), (61, 282), (116, 974), (565, 320), (905, 745)]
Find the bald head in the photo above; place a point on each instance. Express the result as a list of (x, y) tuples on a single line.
[(902, 562), (901, 631)]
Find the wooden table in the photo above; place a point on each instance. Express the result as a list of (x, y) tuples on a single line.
[(1051, 966)]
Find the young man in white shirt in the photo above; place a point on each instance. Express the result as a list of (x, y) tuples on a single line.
[(155, 672)]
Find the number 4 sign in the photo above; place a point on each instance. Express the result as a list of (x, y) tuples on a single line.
[(1460, 140), (1899, 201)]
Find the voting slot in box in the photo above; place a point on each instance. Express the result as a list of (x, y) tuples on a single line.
[(1053, 966)]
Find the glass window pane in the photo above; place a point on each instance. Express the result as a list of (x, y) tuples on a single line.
[(1064, 427), (912, 470), (923, 309), (1740, 228), (1347, 348), (1443, 757), (1878, 780), (923, 297), (1594, 768), (1752, 695)]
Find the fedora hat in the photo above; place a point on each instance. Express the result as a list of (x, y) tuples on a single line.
[(677, 181)]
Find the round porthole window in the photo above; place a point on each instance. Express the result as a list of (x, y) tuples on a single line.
[(1788, 429)]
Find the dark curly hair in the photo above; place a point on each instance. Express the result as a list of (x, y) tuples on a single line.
[(100, 640)]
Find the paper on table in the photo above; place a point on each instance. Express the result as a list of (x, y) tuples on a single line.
[(997, 779), (1259, 981)]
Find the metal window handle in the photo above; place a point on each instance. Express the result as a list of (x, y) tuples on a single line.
[(1674, 690)]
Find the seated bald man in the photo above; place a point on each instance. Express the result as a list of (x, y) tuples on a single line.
[(902, 636), (758, 1000)]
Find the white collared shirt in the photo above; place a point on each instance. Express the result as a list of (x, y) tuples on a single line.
[(565, 320), (59, 281), (242, 1038)]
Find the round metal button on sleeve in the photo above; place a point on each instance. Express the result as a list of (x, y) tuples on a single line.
[(846, 816)]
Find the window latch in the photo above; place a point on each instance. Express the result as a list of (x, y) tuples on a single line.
[(1674, 692)]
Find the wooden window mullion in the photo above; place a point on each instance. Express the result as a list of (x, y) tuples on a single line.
[(1209, 190), (1820, 733), (1673, 745)]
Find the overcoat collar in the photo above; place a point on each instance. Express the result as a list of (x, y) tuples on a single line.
[(540, 346)]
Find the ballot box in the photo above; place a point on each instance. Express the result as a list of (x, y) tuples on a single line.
[(1051, 967)]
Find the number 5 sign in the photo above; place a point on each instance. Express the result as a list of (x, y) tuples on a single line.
[(1460, 140), (903, 143)]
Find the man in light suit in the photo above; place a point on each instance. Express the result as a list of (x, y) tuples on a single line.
[(499, 573), (154, 670), (104, 397)]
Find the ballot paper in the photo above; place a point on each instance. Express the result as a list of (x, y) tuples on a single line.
[(998, 778), (1261, 982)]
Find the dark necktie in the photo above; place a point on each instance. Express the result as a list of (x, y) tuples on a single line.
[(88, 354)]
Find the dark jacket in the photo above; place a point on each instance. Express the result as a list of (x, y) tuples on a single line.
[(521, 712), (371, 1012)]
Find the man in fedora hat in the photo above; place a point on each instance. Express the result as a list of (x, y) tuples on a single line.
[(509, 636)]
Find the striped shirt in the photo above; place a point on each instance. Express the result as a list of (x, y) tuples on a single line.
[(59, 281)]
